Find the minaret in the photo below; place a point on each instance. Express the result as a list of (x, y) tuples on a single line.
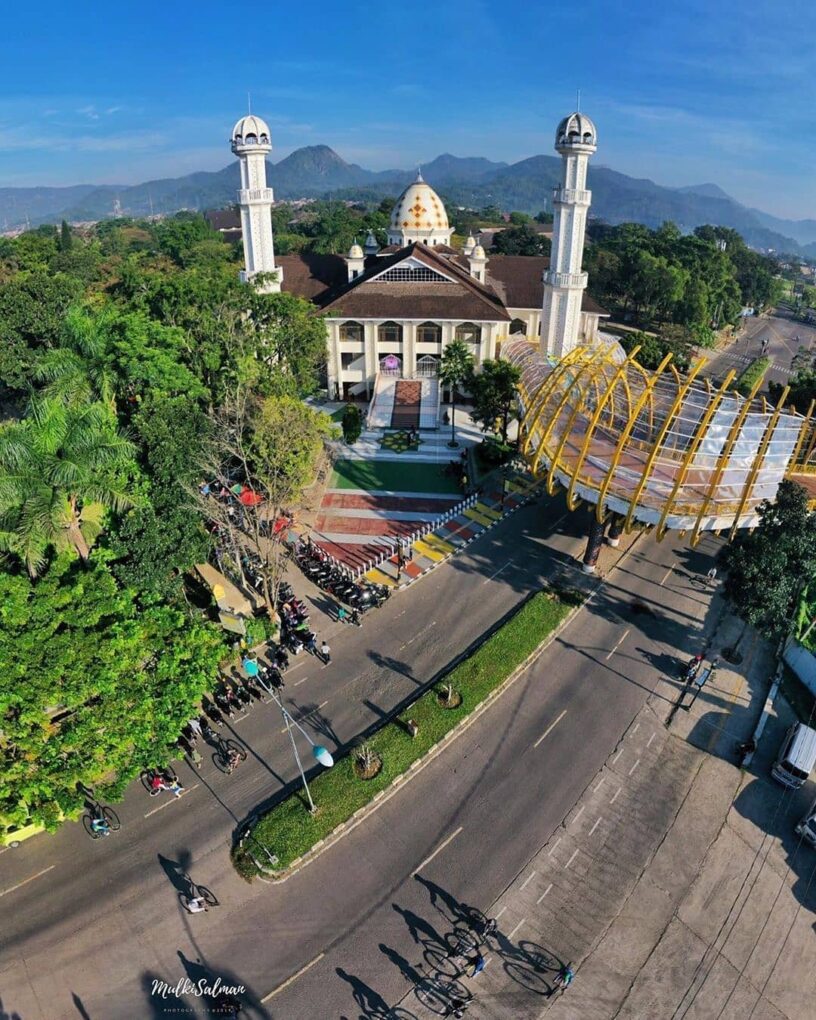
[(251, 143), (564, 283)]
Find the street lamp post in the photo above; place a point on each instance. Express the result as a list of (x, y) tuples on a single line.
[(322, 755)]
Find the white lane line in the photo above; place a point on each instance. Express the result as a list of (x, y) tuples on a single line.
[(579, 812), (500, 913), (294, 977), (441, 847), (27, 880), (300, 682), (669, 571), (527, 880), (635, 728), (651, 738), (513, 932), (574, 855), (555, 844), (601, 781), (620, 642), (616, 795), (620, 752), (497, 572), (172, 800), (595, 826), (550, 728), (541, 897), (632, 769), (419, 635), (303, 718)]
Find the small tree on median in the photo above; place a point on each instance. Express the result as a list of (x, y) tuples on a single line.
[(494, 393)]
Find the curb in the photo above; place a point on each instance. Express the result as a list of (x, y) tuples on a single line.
[(380, 798)]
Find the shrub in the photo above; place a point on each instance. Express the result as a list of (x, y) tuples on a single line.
[(749, 375), (352, 423)]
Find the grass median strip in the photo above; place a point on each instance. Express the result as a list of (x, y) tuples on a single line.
[(288, 831)]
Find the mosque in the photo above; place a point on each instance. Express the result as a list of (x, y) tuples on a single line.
[(661, 449), (391, 311)]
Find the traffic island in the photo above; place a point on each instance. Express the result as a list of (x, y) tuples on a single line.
[(287, 837)]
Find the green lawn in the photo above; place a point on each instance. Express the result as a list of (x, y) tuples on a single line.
[(392, 475), (289, 831)]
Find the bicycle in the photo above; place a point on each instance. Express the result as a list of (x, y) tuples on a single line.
[(198, 893), (228, 756), (100, 821)]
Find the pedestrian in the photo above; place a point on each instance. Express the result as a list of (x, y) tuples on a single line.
[(195, 727), (711, 576), (464, 482), (175, 788), (196, 904), (325, 653), (195, 757), (341, 614), (478, 962)]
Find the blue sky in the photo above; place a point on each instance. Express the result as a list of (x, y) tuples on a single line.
[(703, 91)]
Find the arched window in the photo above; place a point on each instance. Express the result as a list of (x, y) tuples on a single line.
[(351, 331), (518, 326), (389, 333), (429, 333), (470, 332), (427, 366)]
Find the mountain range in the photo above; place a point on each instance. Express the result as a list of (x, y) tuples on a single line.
[(317, 171)]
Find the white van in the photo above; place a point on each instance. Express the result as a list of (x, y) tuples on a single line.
[(807, 827), (797, 756)]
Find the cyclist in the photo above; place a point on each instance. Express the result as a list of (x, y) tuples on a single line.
[(197, 904), (157, 783), (233, 758), (100, 824), (564, 976)]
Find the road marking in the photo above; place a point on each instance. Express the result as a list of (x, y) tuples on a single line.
[(513, 932), (500, 912), (555, 844), (27, 880), (616, 795), (620, 752), (300, 682), (669, 571), (527, 880), (651, 738), (601, 781), (302, 718), (173, 800), (294, 977), (550, 728), (419, 635), (620, 642), (541, 897), (495, 573), (632, 769), (595, 826), (579, 812), (441, 847), (402, 613), (635, 728), (574, 855)]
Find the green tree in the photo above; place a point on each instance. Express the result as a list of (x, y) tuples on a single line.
[(93, 689), (494, 394), (78, 369), (521, 240), (768, 567), (352, 423), (288, 339), (61, 468), (66, 242), (455, 369)]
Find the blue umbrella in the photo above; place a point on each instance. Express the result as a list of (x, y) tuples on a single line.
[(251, 667)]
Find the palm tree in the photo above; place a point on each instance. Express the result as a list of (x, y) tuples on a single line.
[(78, 370), (455, 368), (61, 468)]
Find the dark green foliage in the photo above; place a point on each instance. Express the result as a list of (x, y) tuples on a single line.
[(352, 423), (93, 690), (493, 389), (520, 240), (768, 566)]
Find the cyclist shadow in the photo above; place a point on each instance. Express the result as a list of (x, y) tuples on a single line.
[(528, 964), (222, 979), (176, 872)]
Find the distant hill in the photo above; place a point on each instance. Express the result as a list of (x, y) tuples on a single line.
[(473, 181)]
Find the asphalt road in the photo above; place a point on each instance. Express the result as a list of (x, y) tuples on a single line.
[(784, 336), (88, 926)]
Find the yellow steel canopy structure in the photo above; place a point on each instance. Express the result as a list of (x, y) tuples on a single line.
[(657, 447)]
